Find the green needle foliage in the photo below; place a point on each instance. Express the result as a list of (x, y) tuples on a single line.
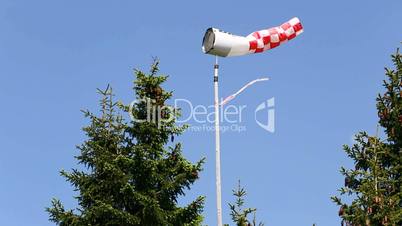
[(239, 214), (134, 172), (375, 183)]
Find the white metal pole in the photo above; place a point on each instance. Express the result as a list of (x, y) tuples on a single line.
[(217, 146)]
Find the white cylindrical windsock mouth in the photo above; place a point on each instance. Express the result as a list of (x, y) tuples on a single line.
[(208, 40), (224, 44)]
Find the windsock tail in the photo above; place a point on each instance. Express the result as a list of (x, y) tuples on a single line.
[(267, 39)]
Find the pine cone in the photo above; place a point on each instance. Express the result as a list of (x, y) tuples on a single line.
[(377, 200), (341, 211), (347, 181)]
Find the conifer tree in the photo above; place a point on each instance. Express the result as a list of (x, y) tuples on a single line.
[(375, 182), (134, 171), (239, 214)]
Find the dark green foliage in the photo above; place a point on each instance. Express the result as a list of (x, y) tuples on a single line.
[(238, 213), (134, 172), (375, 182)]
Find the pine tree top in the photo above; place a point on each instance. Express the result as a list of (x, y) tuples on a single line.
[(375, 183), (135, 172)]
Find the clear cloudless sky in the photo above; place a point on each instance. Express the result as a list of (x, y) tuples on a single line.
[(54, 54)]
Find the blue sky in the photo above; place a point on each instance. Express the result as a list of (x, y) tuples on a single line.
[(54, 54)]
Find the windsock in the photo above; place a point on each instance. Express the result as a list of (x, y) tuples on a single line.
[(224, 44)]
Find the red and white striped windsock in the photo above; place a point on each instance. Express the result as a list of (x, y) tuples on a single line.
[(224, 44)]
